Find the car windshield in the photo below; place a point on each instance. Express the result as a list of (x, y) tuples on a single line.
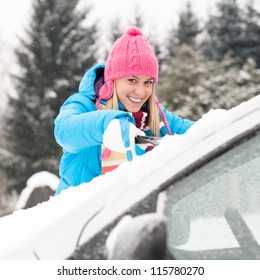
[(214, 213)]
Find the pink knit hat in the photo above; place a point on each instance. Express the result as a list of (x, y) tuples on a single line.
[(131, 55)]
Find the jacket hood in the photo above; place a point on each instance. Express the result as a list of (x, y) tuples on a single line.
[(87, 83)]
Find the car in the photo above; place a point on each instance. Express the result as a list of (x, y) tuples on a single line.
[(39, 188), (194, 196)]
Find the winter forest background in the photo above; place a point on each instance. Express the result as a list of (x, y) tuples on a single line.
[(203, 65)]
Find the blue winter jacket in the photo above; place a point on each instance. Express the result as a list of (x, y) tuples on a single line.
[(79, 129)]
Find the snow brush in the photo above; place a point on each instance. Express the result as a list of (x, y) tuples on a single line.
[(112, 159), (154, 141)]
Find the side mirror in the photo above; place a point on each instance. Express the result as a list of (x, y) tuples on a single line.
[(138, 238)]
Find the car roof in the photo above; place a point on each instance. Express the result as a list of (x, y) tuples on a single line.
[(50, 231)]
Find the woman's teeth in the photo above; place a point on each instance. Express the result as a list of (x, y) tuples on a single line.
[(137, 100)]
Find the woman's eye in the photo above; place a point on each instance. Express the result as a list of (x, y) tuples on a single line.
[(132, 80)]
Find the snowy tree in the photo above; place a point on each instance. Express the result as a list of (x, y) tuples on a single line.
[(188, 27), (2, 73), (182, 72), (193, 85), (185, 33), (252, 34), (223, 85), (4, 66), (157, 48), (6, 63), (116, 30), (235, 31), (58, 49), (137, 18), (171, 43)]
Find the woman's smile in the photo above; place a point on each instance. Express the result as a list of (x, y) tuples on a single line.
[(134, 99)]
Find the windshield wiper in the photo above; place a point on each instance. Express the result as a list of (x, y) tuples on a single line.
[(241, 231)]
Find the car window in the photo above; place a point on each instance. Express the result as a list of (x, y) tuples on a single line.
[(214, 213)]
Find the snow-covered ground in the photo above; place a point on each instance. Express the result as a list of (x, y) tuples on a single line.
[(51, 229)]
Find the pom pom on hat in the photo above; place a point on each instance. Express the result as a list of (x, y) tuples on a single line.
[(134, 31), (130, 55)]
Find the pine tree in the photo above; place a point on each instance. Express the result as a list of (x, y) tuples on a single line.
[(224, 85), (182, 72), (116, 30), (193, 85), (156, 45), (226, 32), (188, 27), (171, 43), (137, 18), (185, 33), (53, 58), (235, 31), (252, 34)]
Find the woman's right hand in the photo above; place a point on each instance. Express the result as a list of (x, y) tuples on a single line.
[(120, 136)]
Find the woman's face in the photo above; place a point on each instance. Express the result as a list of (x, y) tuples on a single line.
[(134, 91)]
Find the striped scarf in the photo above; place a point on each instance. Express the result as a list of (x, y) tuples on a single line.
[(141, 119)]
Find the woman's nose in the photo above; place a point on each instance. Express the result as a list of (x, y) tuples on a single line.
[(140, 90)]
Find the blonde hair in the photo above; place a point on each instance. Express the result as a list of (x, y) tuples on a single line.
[(154, 118)]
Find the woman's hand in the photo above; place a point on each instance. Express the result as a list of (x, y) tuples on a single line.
[(120, 136)]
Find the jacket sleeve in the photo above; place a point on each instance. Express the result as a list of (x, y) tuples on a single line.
[(79, 125), (176, 124)]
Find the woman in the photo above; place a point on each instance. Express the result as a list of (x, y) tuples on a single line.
[(116, 102)]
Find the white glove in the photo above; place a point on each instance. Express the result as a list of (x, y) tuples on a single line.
[(119, 136)]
